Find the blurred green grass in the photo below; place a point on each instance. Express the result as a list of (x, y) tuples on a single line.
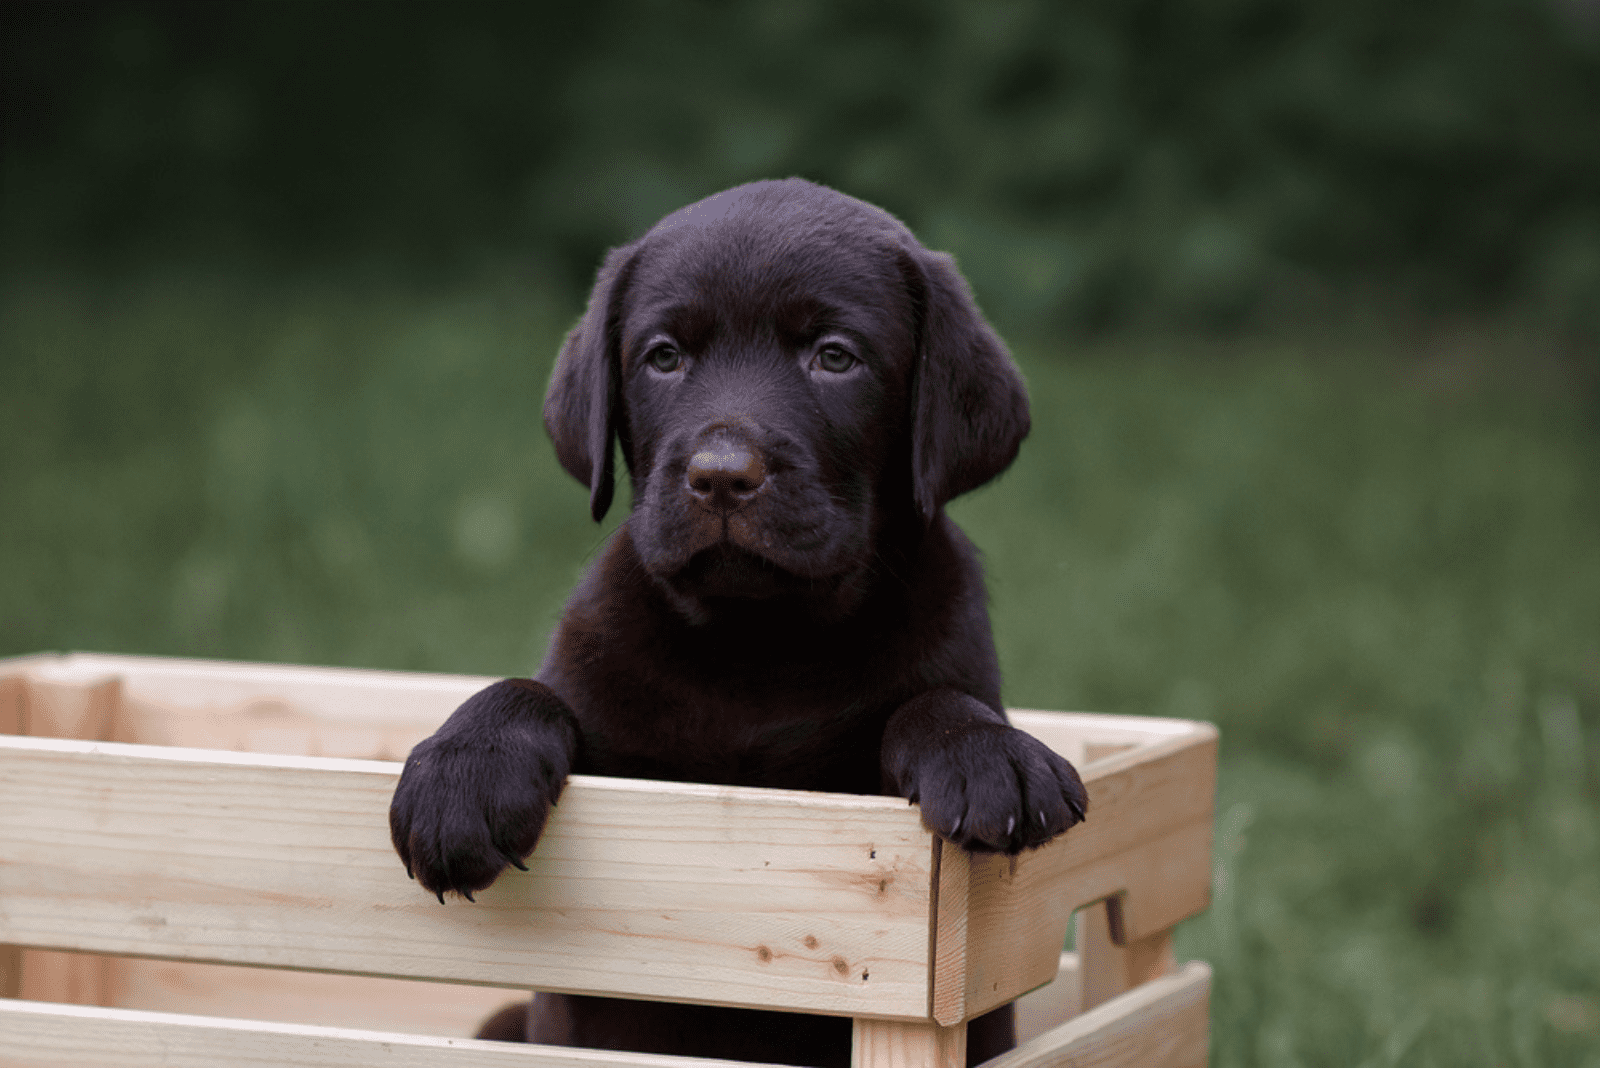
[(1376, 570)]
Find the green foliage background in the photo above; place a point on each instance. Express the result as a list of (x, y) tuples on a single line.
[(1305, 295), (1094, 163)]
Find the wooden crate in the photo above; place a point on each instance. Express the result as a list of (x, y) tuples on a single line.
[(195, 869)]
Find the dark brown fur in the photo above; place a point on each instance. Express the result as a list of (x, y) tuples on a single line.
[(797, 387)]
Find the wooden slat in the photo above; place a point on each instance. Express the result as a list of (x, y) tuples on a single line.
[(42, 1035), (1162, 1024), (1148, 837), (272, 708), (336, 693), (319, 711), (1050, 1005), (1006, 957), (324, 998), (364, 694), (813, 902), (947, 1001), (1061, 729)]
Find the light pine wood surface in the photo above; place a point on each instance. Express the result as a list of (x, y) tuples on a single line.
[(896, 1044), (1107, 969), (1041, 1010), (326, 999), (39, 1035), (262, 708), (251, 708), (813, 902), (820, 903), (1161, 1024), (1147, 841)]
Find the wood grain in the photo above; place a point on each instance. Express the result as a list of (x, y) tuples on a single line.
[(1162, 1024), (237, 707), (85, 708), (68, 1036), (820, 903), (1108, 969), (895, 1044), (323, 998), (270, 708), (813, 902), (1062, 731), (1148, 838), (1050, 1005)]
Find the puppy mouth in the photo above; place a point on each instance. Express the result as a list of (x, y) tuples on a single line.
[(793, 541), (684, 540), (726, 570)]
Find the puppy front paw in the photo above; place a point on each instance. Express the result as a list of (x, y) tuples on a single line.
[(474, 797), (991, 788)]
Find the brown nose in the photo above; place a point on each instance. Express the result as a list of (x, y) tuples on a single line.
[(724, 474)]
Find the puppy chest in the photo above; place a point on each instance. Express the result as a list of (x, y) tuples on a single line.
[(820, 747)]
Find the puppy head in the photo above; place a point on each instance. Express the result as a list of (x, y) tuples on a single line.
[(787, 370)]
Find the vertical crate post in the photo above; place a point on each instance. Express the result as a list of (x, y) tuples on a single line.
[(895, 1044), (1110, 963)]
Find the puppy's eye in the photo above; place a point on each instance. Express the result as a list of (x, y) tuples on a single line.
[(835, 359), (665, 358)]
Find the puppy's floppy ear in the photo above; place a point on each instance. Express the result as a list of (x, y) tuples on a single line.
[(580, 406), (969, 407)]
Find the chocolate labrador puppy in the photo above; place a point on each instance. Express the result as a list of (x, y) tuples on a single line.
[(797, 387)]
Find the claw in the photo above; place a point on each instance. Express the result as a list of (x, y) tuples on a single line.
[(1011, 823), (513, 861), (440, 895), (955, 827), (468, 895), (1077, 809), (408, 872), (1041, 817)]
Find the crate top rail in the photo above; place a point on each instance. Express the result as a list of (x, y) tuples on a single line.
[(810, 902)]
